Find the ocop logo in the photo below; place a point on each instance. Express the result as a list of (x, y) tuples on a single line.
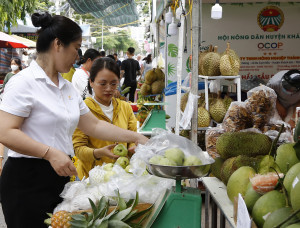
[(267, 45), (270, 19)]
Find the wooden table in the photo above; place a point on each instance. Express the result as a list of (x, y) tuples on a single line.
[(216, 199)]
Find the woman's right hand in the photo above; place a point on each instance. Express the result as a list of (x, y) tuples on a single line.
[(105, 151), (61, 163)]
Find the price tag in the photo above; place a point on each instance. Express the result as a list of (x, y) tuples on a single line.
[(243, 218)]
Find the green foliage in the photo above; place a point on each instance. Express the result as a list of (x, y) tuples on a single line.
[(121, 216), (11, 10), (171, 69), (172, 50), (116, 42)]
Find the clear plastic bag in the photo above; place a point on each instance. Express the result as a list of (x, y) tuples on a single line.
[(211, 136), (158, 144), (188, 111), (261, 103), (237, 117)]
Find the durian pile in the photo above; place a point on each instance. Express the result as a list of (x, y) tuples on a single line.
[(255, 113), (154, 82), (266, 176), (212, 63), (217, 108)]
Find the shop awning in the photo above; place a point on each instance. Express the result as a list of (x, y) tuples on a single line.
[(113, 12)]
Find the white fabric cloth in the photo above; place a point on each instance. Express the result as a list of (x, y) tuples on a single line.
[(80, 82), (147, 67), (107, 110), (51, 113)]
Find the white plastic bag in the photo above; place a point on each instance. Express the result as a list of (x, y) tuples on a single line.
[(188, 111)]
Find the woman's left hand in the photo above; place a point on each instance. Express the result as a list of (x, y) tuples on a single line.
[(132, 149)]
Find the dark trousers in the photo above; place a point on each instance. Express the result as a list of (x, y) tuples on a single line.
[(132, 91), (29, 189)]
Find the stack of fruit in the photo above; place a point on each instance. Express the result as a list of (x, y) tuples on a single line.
[(175, 157), (125, 214), (212, 63), (154, 82), (268, 180), (217, 108)]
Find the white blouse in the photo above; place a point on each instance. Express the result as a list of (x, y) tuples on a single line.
[(51, 112)]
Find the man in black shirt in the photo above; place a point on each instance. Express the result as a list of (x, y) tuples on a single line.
[(117, 60), (129, 69)]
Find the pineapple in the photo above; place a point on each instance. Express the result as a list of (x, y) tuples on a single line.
[(61, 219)]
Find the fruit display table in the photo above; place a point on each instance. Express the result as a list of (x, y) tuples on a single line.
[(216, 198)]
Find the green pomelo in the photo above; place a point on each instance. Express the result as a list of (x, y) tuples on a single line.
[(251, 196), (266, 204), (295, 196), (296, 225), (176, 155), (232, 144), (216, 167), (278, 216), (192, 160), (232, 164), (166, 162), (290, 176), (155, 159), (267, 164), (286, 157), (238, 182)]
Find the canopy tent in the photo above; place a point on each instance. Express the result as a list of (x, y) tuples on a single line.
[(27, 42), (113, 12), (7, 41)]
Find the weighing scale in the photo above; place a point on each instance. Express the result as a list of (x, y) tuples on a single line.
[(179, 207)]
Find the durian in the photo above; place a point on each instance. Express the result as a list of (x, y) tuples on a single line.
[(211, 63), (183, 101), (150, 76), (203, 117), (229, 62), (145, 89), (160, 74), (217, 110), (200, 61), (227, 101), (157, 87)]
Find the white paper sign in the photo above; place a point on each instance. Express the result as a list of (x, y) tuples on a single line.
[(243, 218)]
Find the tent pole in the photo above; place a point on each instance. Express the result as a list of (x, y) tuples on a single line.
[(179, 69), (195, 57)]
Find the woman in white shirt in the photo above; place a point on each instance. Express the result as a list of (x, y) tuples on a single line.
[(39, 113), (81, 76), (147, 65)]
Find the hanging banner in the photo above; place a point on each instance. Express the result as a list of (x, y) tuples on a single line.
[(264, 35)]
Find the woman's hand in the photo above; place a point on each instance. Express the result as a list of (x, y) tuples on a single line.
[(105, 151), (141, 139), (61, 163), (131, 150)]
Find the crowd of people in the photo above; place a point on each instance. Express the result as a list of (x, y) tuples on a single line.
[(40, 111)]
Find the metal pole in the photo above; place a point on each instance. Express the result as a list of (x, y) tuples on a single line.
[(166, 53), (179, 69), (157, 39), (102, 37), (195, 53)]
